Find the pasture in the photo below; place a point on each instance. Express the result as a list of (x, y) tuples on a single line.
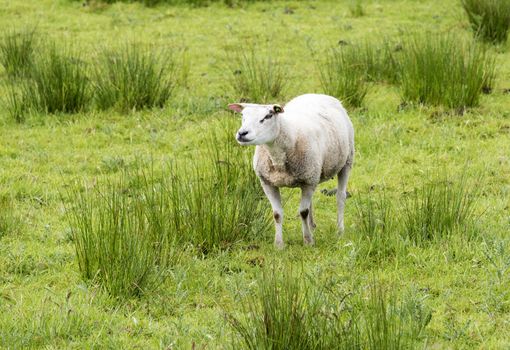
[(130, 218)]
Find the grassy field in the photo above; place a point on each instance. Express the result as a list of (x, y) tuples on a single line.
[(417, 167)]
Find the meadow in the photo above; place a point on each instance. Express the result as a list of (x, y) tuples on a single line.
[(130, 218)]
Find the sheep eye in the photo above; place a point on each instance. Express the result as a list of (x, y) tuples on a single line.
[(267, 117)]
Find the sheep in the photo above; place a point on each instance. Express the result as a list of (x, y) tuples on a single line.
[(304, 143)]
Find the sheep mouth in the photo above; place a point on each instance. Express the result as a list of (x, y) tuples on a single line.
[(242, 140)]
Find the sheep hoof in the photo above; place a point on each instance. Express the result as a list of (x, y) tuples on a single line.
[(279, 245), (308, 241)]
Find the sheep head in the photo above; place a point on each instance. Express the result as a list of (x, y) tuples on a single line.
[(259, 124)]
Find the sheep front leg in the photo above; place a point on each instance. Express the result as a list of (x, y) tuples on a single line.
[(341, 194), (304, 211), (273, 194)]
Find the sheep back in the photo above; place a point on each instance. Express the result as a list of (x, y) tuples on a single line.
[(316, 141)]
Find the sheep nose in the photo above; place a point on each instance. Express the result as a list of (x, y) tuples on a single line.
[(241, 135)]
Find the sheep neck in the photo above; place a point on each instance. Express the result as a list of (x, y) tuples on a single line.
[(278, 149)]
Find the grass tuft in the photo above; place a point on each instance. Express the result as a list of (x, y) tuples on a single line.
[(17, 52), (57, 83), (439, 209), (377, 228), (257, 76), (134, 78), (9, 221), (442, 70), (356, 8), (390, 323), (343, 75), (125, 232), (489, 19), (242, 212), (122, 235), (288, 311)]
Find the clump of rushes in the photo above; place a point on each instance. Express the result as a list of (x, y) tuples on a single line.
[(356, 8), (443, 70), (223, 198), (284, 312), (256, 77), (17, 52), (439, 209), (57, 83), (17, 105), (389, 322), (289, 311), (134, 77), (382, 61), (489, 19), (126, 232), (377, 228), (123, 233), (343, 74)]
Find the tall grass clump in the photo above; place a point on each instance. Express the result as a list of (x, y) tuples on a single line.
[(377, 228), (388, 322), (381, 61), (17, 104), (439, 209), (133, 78), (257, 76), (343, 74), (123, 233), (222, 202), (57, 83), (443, 70), (17, 52), (288, 311), (356, 8), (489, 19), (9, 221)]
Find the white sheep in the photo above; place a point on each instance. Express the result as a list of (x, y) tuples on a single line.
[(309, 142)]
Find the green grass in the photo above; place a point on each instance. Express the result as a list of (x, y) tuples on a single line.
[(17, 51), (343, 75), (241, 215), (378, 228), (489, 19), (374, 273), (9, 221), (122, 238), (256, 75), (193, 3), (126, 233), (439, 209), (356, 8), (57, 82), (444, 70), (292, 311), (133, 77)]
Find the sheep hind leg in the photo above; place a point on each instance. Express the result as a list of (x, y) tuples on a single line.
[(311, 221), (273, 194), (304, 212), (341, 194)]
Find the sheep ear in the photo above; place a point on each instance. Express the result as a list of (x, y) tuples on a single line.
[(236, 107), (277, 109)]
